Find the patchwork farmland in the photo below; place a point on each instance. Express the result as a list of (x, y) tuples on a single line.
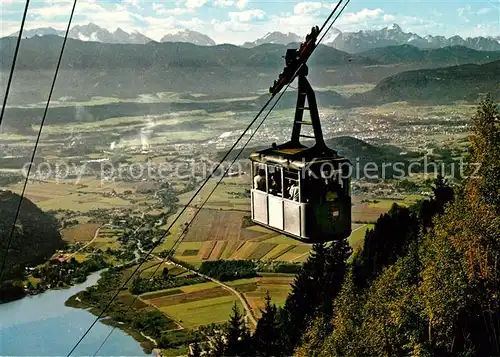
[(219, 234), (200, 304)]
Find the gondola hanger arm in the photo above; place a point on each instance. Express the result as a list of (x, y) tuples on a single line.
[(296, 62)]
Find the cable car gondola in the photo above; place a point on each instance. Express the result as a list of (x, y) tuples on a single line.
[(299, 191)]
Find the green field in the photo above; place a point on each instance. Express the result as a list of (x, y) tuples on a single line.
[(204, 303), (199, 313), (255, 289)]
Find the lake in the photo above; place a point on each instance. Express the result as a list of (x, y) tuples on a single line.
[(41, 325)]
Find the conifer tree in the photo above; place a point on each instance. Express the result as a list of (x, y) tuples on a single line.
[(345, 339), (313, 291), (302, 301), (443, 193), (428, 209), (313, 339), (267, 336), (461, 278), (236, 333), (334, 275), (427, 292), (389, 240)]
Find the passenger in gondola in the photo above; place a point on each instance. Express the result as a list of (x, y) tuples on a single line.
[(259, 181), (275, 188), (293, 191)]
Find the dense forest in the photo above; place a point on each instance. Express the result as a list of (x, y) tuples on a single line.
[(225, 270), (425, 283)]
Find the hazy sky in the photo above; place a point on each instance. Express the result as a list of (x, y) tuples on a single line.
[(237, 21)]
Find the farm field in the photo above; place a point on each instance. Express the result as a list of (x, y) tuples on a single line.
[(107, 238), (80, 233), (194, 305), (88, 194), (386, 204), (222, 230), (366, 212), (230, 195), (255, 290), (219, 234), (201, 304)]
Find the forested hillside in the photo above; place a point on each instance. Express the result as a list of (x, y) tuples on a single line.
[(35, 238), (440, 85), (452, 55), (425, 282)]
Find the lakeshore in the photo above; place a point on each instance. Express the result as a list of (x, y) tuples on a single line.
[(42, 325)]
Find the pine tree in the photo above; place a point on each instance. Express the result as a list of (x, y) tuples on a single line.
[(313, 291), (236, 332), (389, 240), (428, 209), (267, 336), (345, 339), (426, 292), (302, 301), (314, 337), (334, 275), (461, 278)]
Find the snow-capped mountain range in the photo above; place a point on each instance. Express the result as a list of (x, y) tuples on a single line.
[(284, 39), (194, 37), (91, 32), (393, 35), (275, 37), (352, 42)]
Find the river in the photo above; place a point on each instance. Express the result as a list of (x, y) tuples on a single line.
[(42, 325)]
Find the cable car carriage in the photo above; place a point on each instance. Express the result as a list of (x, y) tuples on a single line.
[(299, 191)]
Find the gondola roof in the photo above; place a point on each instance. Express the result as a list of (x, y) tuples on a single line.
[(297, 157)]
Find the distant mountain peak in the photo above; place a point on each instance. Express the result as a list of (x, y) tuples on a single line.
[(275, 37), (90, 32), (189, 36), (393, 35), (352, 42), (395, 27), (42, 31)]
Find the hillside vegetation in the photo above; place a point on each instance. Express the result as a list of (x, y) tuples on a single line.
[(35, 239), (36, 235), (440, 85), (453, 55), (42, 53)]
